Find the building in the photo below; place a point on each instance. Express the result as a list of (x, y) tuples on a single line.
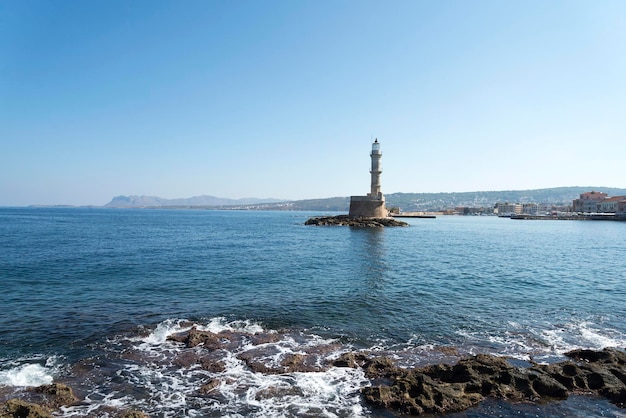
[(589, 202), (508, 209), (373, 204), (610, 204), (621, 207), (530, 208)]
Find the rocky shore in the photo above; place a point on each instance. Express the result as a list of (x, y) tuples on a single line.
[(347, 220), (441, 388), (44, 401), (434, 389)]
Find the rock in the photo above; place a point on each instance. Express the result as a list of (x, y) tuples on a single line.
[(134, 414), (17, 408), (56, 395), (209, 386), (290, 363), (606, 356), (446, 388), (346, 220), (380, 367), (351, 360), (193, 338), (206, 361), (48, 397), (600, 372)]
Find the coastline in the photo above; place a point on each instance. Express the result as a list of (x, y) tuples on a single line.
[(583, 217)]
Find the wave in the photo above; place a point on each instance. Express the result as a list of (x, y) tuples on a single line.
[(582, 334), (29, 371), (243, 374), (543, 344)]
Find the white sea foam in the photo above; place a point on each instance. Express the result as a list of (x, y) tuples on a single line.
[(89, 407), (242, 392), (601, 339), (164, 330), (159, 382), (32, 374), (216, 325), (582, 334), (219, 324), (35, 370), (329, 393), (545, 344)]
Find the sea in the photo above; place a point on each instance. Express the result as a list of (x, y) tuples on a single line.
[(89, 297)]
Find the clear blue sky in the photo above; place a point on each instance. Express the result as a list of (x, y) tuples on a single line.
[(282, 98)]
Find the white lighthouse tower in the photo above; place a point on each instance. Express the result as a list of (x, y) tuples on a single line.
[(376, 171), (372, 205)]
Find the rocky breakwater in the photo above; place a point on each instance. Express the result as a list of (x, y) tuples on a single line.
[(347, 220), (441, 388)]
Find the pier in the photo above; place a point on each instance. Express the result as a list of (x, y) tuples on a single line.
[(573, 217), (414, 215)]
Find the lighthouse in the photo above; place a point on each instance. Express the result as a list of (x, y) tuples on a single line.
[(372, 205), (376, 171)]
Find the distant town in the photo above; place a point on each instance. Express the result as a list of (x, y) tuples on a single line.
[(591, 205), (559, 201), (588, 203)]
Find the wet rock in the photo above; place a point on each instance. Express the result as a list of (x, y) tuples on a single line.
[(224, 339), (448, 350), (134, 414), (17, 408), (56, 395), (263, 338), (606, 356), (194, 337), (294, 363), (445, 388), (346, 220), (207, 361), (45, 398), (380, 367), (289, 363), (210, 386), (600, 372), (351, 360)]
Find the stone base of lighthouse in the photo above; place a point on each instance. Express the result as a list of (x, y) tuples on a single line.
[(366, 207)]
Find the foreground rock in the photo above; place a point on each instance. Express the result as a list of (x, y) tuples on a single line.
[(17, 408), (45, 402), (260, 356), (435, 389), (44, 399), (56, 395), (442, 388), (346, 220)]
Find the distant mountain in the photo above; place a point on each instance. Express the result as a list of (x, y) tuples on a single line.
[(207, 201), (331, 204)]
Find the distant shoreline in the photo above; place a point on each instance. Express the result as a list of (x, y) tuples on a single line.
[(583, 217)]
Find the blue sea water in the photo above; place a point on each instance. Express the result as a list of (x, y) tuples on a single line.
[(90, 295)]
